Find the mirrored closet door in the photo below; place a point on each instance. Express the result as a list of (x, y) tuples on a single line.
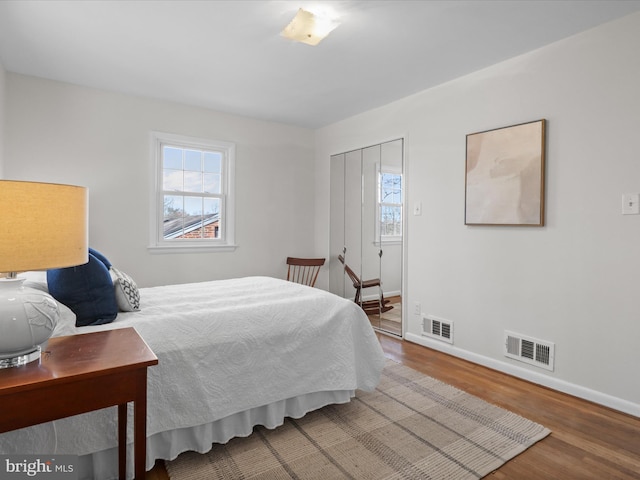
[(366, 231)]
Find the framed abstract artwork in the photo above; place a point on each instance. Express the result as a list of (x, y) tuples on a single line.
[(504, 176)]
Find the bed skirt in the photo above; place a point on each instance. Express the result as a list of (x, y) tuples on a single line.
[(103, 465)]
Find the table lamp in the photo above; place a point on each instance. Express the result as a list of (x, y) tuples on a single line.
[(42, 226)]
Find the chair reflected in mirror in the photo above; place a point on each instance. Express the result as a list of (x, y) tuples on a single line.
[(304, 270), (374, 306)]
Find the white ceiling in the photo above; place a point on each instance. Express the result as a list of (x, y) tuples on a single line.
[(229, 55)]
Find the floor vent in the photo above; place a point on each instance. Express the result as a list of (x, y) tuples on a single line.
[(437, 328), (529, 350)]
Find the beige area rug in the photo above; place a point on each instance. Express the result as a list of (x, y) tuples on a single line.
[(411, 427)]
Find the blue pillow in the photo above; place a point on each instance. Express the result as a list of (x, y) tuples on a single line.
[(100, 257), (87, 290)]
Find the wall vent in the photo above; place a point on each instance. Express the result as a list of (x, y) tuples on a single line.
[(437, 328), (529, 350)]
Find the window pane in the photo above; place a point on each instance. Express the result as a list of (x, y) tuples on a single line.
[(397, 221), (193, 160), (390, 220), (211, 206), (211, 218), (212, 183), (192, 206), (384, 220), (391, 188), (173, 215), (172, 158), (192, 181), (172, 180), (212, 162), (192, 217), (173, 206), (387, 186), (398, 189)]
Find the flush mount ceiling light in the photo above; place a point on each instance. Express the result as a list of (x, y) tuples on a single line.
[(310, 28)]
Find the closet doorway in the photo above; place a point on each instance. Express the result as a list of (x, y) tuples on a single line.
[(366, 231)]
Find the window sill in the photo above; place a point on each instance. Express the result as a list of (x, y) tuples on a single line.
[(164, 249), (395, 241)]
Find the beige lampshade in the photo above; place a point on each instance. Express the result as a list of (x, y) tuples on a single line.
[(42, 226)]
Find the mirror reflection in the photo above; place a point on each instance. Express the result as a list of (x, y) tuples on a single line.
[(367, 212)]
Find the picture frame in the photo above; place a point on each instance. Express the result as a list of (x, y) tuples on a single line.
[(505, 175)]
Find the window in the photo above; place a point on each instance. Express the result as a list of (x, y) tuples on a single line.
[(192, 207), (390, 205)]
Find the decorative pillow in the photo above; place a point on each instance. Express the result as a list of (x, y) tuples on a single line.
[(66, 322), (35, 279), (87, 290), (127, 293), (100, 257)]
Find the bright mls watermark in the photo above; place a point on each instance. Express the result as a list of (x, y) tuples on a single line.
[(49, 467)]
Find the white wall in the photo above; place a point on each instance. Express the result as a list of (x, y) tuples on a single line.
[(575, 281), (63, 133), (2, 116)]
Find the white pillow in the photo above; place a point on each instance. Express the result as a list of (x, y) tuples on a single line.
[(127, 293), (66, 323), (37, 280)]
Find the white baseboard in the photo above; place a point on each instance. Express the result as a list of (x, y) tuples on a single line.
[(531, 376)]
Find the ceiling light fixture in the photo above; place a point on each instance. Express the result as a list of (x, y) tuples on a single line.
[(310, 28)]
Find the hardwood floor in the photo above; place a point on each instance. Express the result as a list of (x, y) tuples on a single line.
[(391, 320), (587, 441)]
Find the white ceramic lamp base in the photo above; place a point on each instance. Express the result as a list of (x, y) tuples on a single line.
[(27, 320)]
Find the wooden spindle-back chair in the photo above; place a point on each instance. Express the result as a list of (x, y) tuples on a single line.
[(369, 306), (304, 270)]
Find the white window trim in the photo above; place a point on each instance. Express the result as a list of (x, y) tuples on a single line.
[(157, 244)]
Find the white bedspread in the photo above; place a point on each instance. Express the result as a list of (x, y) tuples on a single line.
[(224, 347)]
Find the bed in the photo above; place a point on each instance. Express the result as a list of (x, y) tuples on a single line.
[(232, 354)]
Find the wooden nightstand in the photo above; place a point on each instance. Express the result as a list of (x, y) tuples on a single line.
[(79, 374)]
